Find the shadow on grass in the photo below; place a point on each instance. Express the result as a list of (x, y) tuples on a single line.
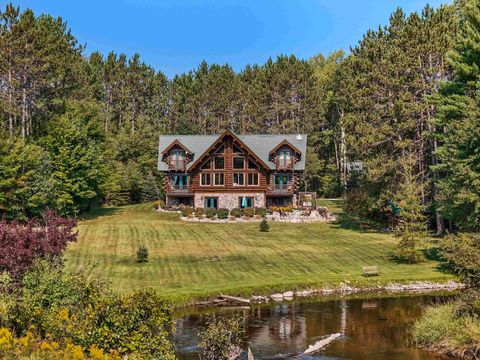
[(100, 212), (430, 254), (350, 222)]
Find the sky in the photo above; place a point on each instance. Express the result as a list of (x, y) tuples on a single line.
[(174, 36)]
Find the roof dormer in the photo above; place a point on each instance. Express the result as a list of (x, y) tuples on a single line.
[(177, 156), (285, 155)]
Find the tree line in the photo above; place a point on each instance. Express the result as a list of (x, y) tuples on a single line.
[(81, 130)]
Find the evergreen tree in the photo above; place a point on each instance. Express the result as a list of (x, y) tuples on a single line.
[(458, 124)]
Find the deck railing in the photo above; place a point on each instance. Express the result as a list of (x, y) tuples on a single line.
[(175, 164), (181, 188)]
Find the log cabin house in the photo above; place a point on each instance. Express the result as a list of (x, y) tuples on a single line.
[(230, 171)]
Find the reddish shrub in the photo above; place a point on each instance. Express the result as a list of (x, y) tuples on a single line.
[(22, 243)]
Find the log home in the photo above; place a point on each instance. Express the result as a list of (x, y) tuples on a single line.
[(229, 170)]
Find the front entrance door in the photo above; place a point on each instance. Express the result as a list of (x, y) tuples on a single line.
[(211, 202)]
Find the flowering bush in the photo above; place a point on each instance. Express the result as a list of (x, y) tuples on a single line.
[(80, 313)]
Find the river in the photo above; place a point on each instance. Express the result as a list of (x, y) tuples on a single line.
[(373, 328)]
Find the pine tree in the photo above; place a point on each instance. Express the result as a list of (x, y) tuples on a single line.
[(458, 127), (264, 226)]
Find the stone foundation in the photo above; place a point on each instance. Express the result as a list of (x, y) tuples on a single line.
[(229, 200)]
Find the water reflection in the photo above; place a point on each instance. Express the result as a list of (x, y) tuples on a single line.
[(372, 329)]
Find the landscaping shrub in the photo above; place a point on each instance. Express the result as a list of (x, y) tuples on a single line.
[(21, 244), (222, 339), (79, 309), (280, 209), (160, 204), (199, 212), (264, 227), (261, 212), (142, 254), (187, 211), (236, 212), (222, 213), (248, 212), (210, 212)]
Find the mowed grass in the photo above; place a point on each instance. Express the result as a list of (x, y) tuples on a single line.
[(198, 260)]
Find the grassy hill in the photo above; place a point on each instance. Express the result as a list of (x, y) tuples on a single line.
[(197, 260)]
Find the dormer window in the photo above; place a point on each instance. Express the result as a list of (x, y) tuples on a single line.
[(177, 159), (284, 158)]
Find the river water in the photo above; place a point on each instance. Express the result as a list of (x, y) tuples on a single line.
[(373, 328)]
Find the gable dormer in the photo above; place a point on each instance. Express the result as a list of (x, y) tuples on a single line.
[(177, 156), (285, 156)]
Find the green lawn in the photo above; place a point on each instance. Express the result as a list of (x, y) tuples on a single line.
[(193, 260)]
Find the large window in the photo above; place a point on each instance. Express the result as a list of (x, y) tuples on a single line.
[(251, 164), (246, 202), (238, 179), (253, 179), (238, 163), (281, 181), (180, 182), (205, 179), (219, 179), (211, 202), (207, 165), (219, 163)]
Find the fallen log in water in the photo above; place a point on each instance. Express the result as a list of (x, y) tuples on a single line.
[(319, 345), (234, 298)]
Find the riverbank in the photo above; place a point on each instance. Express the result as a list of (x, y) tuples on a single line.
[(451, 329), (343, 289), (192, 262)]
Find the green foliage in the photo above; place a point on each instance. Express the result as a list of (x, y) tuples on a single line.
[(236, 212), (187, 211), (75, 145), (199, 212), (222, 339), (261, 212), (264, 226), (457, 127), (81, 309), (26, 183), (462, 253), (210, 212), (248, 212), (142, 254), (222, 213), (412, 227), (452, 328)]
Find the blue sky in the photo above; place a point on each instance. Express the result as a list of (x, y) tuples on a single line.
[(175, 35)]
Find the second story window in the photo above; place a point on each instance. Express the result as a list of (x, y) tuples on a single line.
[(238, 179), (205, 179), (219, 179), (252, 179)]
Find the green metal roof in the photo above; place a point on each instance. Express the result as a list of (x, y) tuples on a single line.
[(260, 144)]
